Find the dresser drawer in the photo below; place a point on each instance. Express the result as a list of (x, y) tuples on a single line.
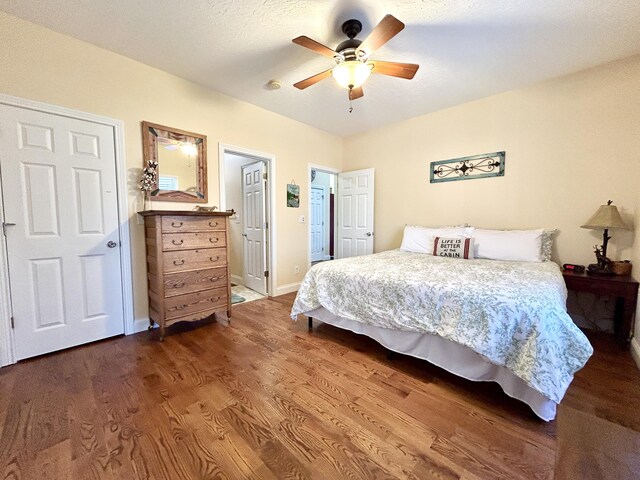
[(187, 241), (181, 261), (179, 224), (187, 282), (195, 302)]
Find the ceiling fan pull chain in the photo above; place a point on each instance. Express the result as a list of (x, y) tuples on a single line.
[(350, 106)]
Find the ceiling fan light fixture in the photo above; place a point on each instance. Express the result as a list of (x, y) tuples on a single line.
[(188, 148), (351, 74)]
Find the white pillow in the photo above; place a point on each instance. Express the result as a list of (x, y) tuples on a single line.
[(513, 245), (420, 239)]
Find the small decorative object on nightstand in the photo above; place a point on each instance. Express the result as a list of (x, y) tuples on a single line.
[(606, 217)]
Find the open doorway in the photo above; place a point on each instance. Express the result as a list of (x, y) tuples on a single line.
[(245, 188), (322, 214)]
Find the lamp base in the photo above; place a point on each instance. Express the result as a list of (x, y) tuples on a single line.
[(596, 269)]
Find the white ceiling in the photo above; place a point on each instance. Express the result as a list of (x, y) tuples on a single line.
[(466, 49)]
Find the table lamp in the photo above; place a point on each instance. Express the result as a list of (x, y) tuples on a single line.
[(606, 217)]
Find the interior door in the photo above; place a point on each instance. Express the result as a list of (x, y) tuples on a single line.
[(254, 228), (317, 223), (355, 213), (60, 200)]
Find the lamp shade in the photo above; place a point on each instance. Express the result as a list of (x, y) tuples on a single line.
[(351, 74), (607, 216)]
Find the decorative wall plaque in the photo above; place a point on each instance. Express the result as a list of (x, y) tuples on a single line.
[(466, 168)]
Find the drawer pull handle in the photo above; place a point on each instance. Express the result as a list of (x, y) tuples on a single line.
[(176, 224), (213, 224), (213, 240), (178, 263), (213, 299), (178, 285), (214, 259), (213, 279), (181, 307), (177, 243)]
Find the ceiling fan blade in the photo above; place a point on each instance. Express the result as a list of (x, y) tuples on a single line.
[(395, 69), (388, 28), (355, 93), (307, 42), (307, 82)]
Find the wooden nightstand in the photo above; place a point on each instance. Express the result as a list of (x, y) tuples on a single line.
[(623, 288)]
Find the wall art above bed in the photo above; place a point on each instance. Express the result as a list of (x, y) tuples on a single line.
[(466, 168)]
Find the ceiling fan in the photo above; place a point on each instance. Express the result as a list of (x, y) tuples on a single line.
[(352, 57)]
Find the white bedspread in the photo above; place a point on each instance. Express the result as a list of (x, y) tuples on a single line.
[(511, 313)]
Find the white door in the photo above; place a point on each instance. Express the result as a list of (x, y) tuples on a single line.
[(60, 200), (317, 223), (355, 213), (254, 228)]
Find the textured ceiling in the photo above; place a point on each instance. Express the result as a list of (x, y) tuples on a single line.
[(466, 49)]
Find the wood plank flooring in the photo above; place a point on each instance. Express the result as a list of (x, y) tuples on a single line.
[(262, 398)]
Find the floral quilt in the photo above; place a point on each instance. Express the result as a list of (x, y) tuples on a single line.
[(512, 313)]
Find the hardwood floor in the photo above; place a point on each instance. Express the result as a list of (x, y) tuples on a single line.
[(262, 398)]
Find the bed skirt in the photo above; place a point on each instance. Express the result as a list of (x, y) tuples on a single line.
[(453, 357)]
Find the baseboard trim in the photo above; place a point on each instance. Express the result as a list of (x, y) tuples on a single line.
[(237, 279), (141, 324), (635, 351), (288, 288)]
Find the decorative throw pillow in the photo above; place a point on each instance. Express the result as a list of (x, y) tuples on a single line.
[(453, 247), (420, 239)]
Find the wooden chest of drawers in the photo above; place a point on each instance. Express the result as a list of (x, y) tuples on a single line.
[(187, 265)]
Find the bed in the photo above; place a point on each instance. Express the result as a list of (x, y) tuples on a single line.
[(484, 320)]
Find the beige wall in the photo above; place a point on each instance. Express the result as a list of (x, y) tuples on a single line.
[(571, 144), (45, 66)]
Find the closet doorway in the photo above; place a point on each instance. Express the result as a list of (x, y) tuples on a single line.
[(246, 188), (322, 214)]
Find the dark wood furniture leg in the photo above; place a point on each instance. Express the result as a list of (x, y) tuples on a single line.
[(310, 323)]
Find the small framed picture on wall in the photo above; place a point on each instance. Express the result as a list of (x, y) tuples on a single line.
[(293, 195)]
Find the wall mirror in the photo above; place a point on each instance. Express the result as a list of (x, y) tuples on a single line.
[(182, 162)]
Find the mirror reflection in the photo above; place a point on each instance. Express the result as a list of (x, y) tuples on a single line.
[(181, 158), (177, 162)]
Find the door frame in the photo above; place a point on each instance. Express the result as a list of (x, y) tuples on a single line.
[(270, 165), (321, 168), (7, 337)]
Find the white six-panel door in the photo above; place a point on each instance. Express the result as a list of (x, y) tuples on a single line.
[(59, 191), (254, 232), (317, 223), (355, 213)]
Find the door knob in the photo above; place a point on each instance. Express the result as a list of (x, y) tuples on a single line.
[(112, 244), (244, 234), (369, 234)]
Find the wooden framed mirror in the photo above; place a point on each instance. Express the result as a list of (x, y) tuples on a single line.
[(182, 163)]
